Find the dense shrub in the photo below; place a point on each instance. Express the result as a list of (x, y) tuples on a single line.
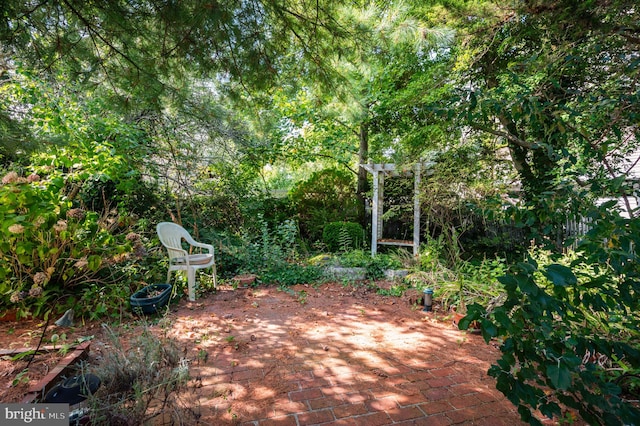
[(273, 210), (343, 236), (101, 193), (49, 249), (327, 196), (66, 232), (568, 327)]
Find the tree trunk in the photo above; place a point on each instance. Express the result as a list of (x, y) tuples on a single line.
[(363, 182)]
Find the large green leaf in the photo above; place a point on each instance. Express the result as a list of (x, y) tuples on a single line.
[(559, 375), (489, 330), (527, 285), (561, 275)]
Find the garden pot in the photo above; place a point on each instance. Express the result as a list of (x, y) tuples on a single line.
[(11, 315), (73, 390), (151, 298), (244, 280), (474, 326)]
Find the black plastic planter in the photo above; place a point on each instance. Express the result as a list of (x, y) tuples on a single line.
[(142, 303), (73, 390)]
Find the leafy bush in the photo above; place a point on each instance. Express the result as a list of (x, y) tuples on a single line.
[(65, 236), (327, 196), (471, 282), (569, 327), (355, 259), (291, 274), (272, 255), (49, 248), (375, 266), (343, 236), (431, 254)]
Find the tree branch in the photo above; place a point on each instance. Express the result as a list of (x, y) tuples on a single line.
[(510, 137), (93, 30)]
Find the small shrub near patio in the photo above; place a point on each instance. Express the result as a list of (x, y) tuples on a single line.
[(375, 266), (143, 381), (271, 254)]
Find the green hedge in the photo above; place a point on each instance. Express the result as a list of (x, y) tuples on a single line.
[(327, 196), (343, 236)]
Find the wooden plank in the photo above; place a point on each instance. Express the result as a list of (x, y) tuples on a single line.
[(388, 242), (42, 349), (64, 367), (393, 169)]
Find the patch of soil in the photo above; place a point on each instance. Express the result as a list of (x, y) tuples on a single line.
[(20, 368), (16, 375)]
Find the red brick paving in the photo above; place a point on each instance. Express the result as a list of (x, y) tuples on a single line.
[(357, 365)]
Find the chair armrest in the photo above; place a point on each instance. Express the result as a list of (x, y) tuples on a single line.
[(182, 251), (193, 243), (202, 245)]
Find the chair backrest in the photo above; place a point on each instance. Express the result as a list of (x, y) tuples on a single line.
[(171, 236)]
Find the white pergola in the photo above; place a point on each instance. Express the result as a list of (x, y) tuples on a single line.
[(379, 171)]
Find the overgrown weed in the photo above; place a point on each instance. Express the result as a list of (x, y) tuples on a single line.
[(145, 381)]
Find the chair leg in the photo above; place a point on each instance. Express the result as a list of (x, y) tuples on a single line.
[(215, 279), (191, 281), (169, 276)]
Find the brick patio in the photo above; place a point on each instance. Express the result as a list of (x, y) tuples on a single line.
[(352, 364)]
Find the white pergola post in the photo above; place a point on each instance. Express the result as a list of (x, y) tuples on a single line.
[(374, 213), (416, 208)]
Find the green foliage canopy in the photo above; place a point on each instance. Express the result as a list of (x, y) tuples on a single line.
[(146, 48)]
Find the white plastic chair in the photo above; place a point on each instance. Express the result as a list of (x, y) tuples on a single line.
[(171, 236)]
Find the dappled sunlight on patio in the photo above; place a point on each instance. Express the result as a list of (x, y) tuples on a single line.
[(324, 355)]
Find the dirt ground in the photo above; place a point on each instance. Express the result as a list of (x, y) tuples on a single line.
[(328, 354)]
